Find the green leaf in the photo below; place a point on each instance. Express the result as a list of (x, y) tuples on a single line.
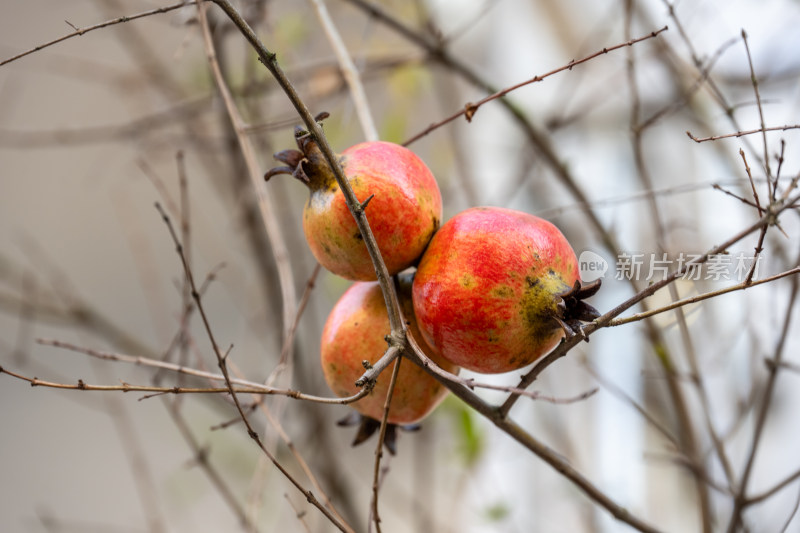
[(471, 439), (497, 512)]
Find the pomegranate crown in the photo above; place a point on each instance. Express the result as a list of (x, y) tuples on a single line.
[(572, 310), (306, 161)]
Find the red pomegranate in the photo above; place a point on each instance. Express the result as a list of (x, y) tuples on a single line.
[(497, 289), (404, 209), (354, 332)]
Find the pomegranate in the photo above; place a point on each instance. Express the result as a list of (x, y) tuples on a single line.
[(354, 333), (497, 289), (403, 205)]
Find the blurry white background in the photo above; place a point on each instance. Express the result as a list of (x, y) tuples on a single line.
[(89, 132)]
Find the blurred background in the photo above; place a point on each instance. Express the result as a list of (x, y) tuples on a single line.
[(96, 129)]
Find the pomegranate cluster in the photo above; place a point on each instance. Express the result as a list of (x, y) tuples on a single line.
[(494, 289)]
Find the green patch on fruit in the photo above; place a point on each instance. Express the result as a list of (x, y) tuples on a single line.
[(538, 304), (467, 281), (503, 291)]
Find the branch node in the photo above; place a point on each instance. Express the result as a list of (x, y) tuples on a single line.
[(365, 202), (469, 111)]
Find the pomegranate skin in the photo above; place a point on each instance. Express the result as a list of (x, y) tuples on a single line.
[(404, 212), (354, 332), (488, 286)]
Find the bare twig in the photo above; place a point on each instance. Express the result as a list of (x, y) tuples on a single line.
[(760, 246), (203, 460), (791, 516), (81, 31), (299, 513), (471, 108), (623, 396), (754, 80), (471, 384), (274, 421), (497, 417), (745, 201), (349, 71), (777, 488), (251, 387), (742, 133), (752, 183), (268, 58), (157, 390), (699, 298), (379, 446), (269, 219), (740, 500), (221, 362)]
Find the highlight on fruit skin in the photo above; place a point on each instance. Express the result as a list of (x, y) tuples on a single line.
[(497, 289), (402, 202), (354, 335)]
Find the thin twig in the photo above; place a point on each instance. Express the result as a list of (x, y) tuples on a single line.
[(471, 384), (224, 369), (745, 201), (349, 71), (269, 219), (268, 58), (246, 386), (742, 133), (754, 80), (791, 516), (777, 488), (470, 108), (623, 396), (555, 460), (702, 78), (154, 390), (288, 342), (689, 439), (752, 183), (81, 31), (273, 420), (740, 500), (298, 513), (203, 460), (379, 446), (699, 298)]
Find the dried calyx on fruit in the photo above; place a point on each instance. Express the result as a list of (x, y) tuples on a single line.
[(297, 161), (497, 289), (368, 426), (572, 311), (398, 192)]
